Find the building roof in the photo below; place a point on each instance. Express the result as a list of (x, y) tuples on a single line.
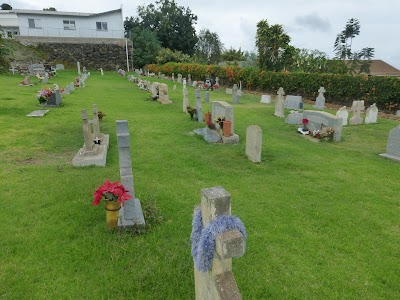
[(55, 13), (8, 20), (380, 68)]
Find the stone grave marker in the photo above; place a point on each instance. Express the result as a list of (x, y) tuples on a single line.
[(393, 145), (206, 97), (35, 69), (199, 108), (343, 113), (235, 96), (174, 87), (180, 78), (254, 143), (224, 110), (45, 79), (357, 107), (173, 77), (398, 113), (67, 90), (72, 86), (229, 91), (320, 101), (78, 65), (189, 81), (294, 117), (265, 99), (163, 96), (38, 113), (216, 238), (59, 67), (26, 81), (54, 99), (91, 153), (280, 104), (371, 114), (320, 119), (154, 89), (131, 213), (185, 100), (294, 102), (184, 82)]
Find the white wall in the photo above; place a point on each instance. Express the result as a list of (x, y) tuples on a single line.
[(52, 25)]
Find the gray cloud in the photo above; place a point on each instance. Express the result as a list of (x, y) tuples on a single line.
[(313, 22)]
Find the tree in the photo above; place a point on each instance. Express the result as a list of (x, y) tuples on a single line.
[(274, 51), (5, 6), (359, 60), (167, 55), (145, 47), (173, 24), (209, 47), (50, 9), (233, 55)]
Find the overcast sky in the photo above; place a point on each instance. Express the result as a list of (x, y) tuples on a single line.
[(311, 24)]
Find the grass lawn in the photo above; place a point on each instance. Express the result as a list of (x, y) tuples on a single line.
[(323, 219)]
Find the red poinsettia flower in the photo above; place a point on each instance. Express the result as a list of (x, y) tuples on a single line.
[(110, 191)]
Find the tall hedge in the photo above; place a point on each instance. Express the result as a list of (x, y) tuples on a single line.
[(341, 89)]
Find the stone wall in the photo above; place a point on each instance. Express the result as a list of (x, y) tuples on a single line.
[(109, 54)]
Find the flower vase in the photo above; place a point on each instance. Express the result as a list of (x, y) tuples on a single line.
[(207, 117), (112, 213), (227, 128)]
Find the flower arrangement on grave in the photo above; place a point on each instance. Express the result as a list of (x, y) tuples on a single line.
[(101, 114), (304, 129), (324, 133), (215, 86), (210, 125), (220, 121), (44, 94), (114, 194), (305, 123), (206, 86)]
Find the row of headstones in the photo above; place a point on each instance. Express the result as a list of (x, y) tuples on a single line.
[(236, 92)]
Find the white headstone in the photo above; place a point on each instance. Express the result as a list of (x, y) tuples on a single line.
[(357, 107), (371, 114), (343, 113), (393, 145), (254, 143), (280, 104), (320, 101), (265, 99)]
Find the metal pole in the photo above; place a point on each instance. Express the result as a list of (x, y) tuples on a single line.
[(127, 55)]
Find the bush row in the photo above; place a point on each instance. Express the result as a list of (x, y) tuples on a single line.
[(340, 89)]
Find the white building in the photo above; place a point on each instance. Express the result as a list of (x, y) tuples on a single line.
[(59, 24)]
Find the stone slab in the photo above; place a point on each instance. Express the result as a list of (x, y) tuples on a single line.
[(99, 159), (210, 136), (265, 99), (138, 218), (391, 157), (294, 102), (38, 113), (233, 139)]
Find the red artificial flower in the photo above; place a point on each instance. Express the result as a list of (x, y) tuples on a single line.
[(305, 121), (108, 190)]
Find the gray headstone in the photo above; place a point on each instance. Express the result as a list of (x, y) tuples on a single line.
[(131, 213), (54, 99), (207, 97), (294, 102), (78, 65), (393, 145), (235, 96), (224, 110), (371, 114), (199, 108), (294, 118), (265, 99), (37, 113), (320, 101), (357, 107), (343, 113), (210, 136), (318, 119), (254, 143)]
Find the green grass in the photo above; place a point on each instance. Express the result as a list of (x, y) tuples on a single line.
[(322, 218)]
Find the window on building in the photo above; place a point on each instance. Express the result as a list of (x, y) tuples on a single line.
[(35, 23), (69, 24), (101, 26)]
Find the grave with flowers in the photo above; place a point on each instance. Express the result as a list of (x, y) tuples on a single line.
[(219, 124), (321, 125)]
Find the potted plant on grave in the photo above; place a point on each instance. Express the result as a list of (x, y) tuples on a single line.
[(114, 194), (304, 129), (101, 114), (207, 117), (220, 122)]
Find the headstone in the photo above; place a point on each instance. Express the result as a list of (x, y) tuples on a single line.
[(154, 89), (174, 87), (393, 145), (78, 64), (294, 102), (294, 118), (173, 77), (218, 283), (67, 90), (59, 67), (91, 154), (235, 96), (229, 91), (72, 86), (318, 120), (225, 110), (38, 113), (163, 96), (206, 97), (96, 125), (254, 143), (131, 213), (265, 99), (180, 78), (194, 84), (398, 113), (357, 107), (101, 71), (189, 81), (26, 82), (35, 69), (184, 83), (54, 99), (217, 81), (199, 108), (343, 113), (371, 114), (185, 100), (320, 101), (280, 104), (45, 79), (84, 70)]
